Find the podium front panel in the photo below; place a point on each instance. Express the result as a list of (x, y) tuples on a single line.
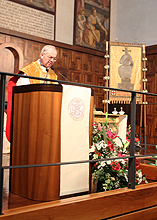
[(36, 140)]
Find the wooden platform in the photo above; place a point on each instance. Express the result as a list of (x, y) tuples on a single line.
[(124, 204), (149, 171), (121, 204)]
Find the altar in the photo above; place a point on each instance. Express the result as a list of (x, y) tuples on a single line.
[(117, 122)]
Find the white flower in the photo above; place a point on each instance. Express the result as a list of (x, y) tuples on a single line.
[(139, 174), (114, 154), (108, 162), (112, 178), (98, 146), (99, 166), (122, 161), (103, 163), (105, 146), (102, 144), (126, 177), (92, 149), (117, 185)]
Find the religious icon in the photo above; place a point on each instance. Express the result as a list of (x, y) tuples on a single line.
[(125, 71)]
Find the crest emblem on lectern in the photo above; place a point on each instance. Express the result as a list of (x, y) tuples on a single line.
[(76, 109)]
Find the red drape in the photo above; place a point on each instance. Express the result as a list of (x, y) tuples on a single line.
[(12, 82)]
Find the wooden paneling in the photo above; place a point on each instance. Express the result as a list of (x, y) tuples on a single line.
[(36, 140), (151, 110), (149, 170), (78, 64)]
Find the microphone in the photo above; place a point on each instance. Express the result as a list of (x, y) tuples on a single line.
[(59, 73)]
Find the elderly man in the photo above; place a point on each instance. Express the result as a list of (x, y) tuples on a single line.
[(40, 68)]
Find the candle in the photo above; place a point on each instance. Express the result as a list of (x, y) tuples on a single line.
[(106, 45), (143, 48)]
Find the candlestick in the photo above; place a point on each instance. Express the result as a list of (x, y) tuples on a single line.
[(143, 48), (106, 45)]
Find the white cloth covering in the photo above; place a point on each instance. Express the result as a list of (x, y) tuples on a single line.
[(6, 143), (75, 139), (23, 81)]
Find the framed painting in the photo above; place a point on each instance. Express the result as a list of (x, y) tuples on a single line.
[(91, 23), (43, 5)]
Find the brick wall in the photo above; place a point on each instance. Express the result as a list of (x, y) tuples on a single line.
[(27, 20)]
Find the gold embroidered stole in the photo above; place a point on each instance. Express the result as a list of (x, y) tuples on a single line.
[(34, 69)]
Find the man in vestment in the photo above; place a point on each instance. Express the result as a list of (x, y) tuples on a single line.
[(40, 68)]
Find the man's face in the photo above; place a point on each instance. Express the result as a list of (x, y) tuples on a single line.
[(48, 57)]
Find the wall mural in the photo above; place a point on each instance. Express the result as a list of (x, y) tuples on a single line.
[(92, 23), (45, 5)]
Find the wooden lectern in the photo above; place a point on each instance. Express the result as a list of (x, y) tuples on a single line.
[(36, 140)]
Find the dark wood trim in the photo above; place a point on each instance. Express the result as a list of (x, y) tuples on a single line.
[(55, 43), (151, 49), (55, 23), (37, 87), (74, 24), (40, 87)]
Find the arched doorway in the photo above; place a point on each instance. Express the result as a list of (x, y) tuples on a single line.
[(11, 62)]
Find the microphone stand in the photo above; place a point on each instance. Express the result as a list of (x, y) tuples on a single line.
[(59, 73)]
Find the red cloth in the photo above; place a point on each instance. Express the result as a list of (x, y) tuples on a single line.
[(12, 82)]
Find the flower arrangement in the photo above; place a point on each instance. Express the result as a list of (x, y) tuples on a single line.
[(110, 174), (128, 137)]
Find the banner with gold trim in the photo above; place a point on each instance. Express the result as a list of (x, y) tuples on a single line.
[(125, 72)]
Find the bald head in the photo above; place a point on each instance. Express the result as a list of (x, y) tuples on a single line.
[(48, 55), (45, 48)]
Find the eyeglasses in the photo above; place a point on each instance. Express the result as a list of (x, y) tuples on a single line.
[(50, 57)]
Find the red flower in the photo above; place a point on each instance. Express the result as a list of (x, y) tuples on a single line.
[(128, 132), (136, 139), (121, 155), (137, 163), (127, 139), (99, 127), (98, 153), (115, 165), (94, 123), (111, 135), (110, 145), (96, 165)]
